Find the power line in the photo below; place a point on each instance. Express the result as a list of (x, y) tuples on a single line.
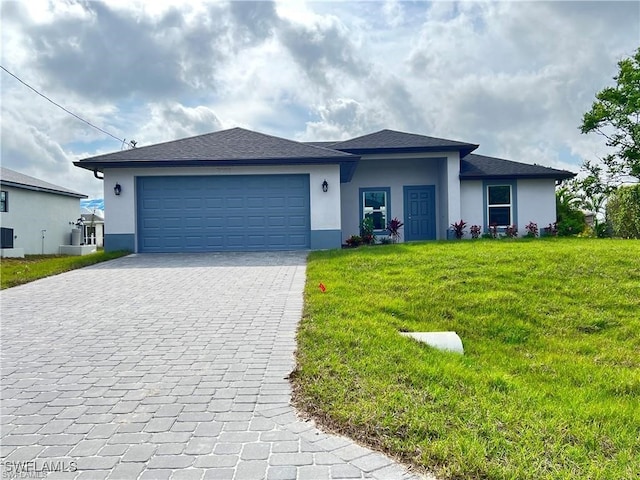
[(123, 140)]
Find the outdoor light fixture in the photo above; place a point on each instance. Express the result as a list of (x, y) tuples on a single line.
[(117, 189), (325, 186)]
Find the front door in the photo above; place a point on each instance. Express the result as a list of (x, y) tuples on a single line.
[(420, 212)]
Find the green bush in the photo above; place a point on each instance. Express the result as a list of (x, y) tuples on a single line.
[(570, 219), (623, 212)]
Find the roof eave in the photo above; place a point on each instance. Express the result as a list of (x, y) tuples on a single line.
[(348, 163), (482, 176), (463, 149), (42, 189)]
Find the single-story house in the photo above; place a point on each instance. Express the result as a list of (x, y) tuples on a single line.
[(93, 229), (36, 216), (238, 189)]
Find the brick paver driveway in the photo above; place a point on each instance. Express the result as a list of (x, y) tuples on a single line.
[(164, 366)]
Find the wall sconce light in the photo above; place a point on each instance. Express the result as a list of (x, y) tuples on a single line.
[(117, 189), (325, 186)]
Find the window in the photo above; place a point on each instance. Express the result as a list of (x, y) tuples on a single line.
[(374, 203), (499, 206), (4, 201)]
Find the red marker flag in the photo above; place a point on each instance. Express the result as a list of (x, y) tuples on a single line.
[(322, 287)]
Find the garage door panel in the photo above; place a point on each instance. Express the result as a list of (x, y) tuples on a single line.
[(172, 204), (193, 203), (297, 221), (226, 212), (255, 221), (256, 202), (152, 204), (214, 202)]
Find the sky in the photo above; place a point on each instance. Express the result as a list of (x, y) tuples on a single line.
[(513, 76)]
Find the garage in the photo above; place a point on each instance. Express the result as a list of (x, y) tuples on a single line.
[(222, 213)]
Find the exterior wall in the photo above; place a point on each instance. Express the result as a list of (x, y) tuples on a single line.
[(120, 211), (30, 212), (471, 203), (535, 202), (396, 172)]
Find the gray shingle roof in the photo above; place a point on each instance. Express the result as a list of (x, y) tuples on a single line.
[(235, 145), (475, 167), (20, 180), (393, 141)]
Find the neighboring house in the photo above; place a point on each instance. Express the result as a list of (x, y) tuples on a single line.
[(242, 190), (93, 229), (35, 214)]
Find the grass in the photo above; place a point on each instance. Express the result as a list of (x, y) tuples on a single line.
[(16, 271), (548, 387)]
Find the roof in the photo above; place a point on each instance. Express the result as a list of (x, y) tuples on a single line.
[(391, 141), (15, 179), (91, 217), (235, 146), (476, 167)]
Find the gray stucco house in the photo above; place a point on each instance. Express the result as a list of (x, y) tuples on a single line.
[(242, 190), (35, 215)]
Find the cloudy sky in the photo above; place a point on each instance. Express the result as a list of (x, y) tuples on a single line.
[(513, 76)]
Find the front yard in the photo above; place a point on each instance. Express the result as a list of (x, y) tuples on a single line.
[(548, 387), (17, 271)]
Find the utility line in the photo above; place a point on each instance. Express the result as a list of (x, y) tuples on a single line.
[(60, 106)]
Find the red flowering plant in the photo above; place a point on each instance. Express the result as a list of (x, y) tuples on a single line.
[(458, 228), (475, 231), (393, 227)]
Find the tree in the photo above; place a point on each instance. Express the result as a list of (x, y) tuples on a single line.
[(615, 115)]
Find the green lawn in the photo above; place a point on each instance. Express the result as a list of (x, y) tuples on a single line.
[(548, 388), (16, 271)]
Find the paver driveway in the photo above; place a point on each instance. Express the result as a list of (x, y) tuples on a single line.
[(164, 366)]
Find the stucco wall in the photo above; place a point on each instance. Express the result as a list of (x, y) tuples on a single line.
[(396, 172), (120, 211), (30, 212), (471, 203), (535, 203)]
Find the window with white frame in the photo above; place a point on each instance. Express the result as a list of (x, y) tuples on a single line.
[(374, 204), (4, 201), (499, 205)]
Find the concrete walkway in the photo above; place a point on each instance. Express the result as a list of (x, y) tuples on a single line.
[(164, 366)]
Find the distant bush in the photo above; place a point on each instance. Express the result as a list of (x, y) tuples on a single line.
[(623, 212)]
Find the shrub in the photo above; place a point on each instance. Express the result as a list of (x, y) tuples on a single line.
[(354, 240), (475, 231), (623, 212), (570, 218), (551, 230), (511, 231), (532, 229), (366, 231), (493, 230), (458, 228), (393, 228)]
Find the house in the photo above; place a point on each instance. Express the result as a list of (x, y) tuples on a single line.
[(36, 216), (242, 190), (93, 229)]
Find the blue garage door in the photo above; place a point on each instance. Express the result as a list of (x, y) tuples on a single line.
[(217, 213)]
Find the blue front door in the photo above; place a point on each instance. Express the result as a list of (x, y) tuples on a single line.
[(420, 213)]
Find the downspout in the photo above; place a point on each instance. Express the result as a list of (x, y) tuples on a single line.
[(95, 174)]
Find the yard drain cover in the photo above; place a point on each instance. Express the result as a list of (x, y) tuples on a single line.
[(449, 341)]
